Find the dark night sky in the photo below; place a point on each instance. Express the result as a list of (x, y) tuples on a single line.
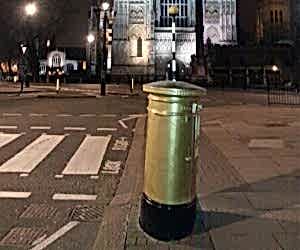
[(73, 29)]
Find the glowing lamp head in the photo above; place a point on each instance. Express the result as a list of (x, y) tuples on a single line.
[(30, 9), (90, 38), (105, 6), (275, 68)]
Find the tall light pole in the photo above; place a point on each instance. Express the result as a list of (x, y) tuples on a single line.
[(30, 10), (173, 12), (90, 39), (105, 7)]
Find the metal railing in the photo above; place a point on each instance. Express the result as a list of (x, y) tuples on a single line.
[(285, 94)]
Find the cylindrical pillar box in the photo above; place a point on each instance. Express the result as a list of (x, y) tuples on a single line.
[(168, 203)]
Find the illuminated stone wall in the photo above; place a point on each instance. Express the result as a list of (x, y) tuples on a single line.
[(133, 21), (220, 21)]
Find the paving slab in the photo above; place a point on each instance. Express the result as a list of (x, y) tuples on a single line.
[(272, 200), (255, 169), (247, 233), (288, 241)]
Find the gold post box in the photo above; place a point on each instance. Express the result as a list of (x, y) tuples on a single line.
[(168, 203)]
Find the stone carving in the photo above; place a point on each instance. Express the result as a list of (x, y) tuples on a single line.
[(136, 14), (213, 34), (212, 12)]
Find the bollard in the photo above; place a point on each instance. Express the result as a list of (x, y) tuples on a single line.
[(168, 204), (132, 85), (57, 85)]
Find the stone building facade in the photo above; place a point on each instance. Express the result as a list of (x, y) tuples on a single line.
[(142, 35), (276, 20)]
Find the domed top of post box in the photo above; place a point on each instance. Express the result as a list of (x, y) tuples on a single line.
[(172, 88)]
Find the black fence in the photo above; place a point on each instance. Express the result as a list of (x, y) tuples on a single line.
[(284, 93)]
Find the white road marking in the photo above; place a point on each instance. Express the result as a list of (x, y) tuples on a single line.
[(88, 157), (121, 144), (128, 118), (137, 115), (14, 195), (7, 138), (94, 177), (38, 115), (27, 159), (59, 233), (12, 114), (111, 167), (109, 115), (39, 240), (8, 127), (87, 115), (40, 127), (24, 175), (106, 129), (74, 197), (63, 115), (122, 124), (75, 128), (59, 176)]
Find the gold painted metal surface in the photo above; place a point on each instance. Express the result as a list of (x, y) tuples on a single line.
[(170, 173)]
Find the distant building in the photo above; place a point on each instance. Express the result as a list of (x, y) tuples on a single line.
[(142, 38), (276, 20), (72, 61)]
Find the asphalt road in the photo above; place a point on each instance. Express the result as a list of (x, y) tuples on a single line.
[(60, 164)]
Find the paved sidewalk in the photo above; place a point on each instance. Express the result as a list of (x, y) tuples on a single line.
[(248, 185), (68, 89)]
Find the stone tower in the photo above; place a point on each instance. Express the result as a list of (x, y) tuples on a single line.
[(220, 21), (276, 20), (133, 38)]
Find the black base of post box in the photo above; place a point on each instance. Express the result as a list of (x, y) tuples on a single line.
[(167, 222)]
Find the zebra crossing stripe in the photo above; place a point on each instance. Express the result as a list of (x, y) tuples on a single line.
[(7, 138), (26, 160), (88, 157), (14, 195), (8, 127), (74, 197)]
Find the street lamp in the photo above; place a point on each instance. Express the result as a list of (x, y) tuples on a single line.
[(90, 39), (173, 12), (275, 68), (24, 48), (30, 9), (105, 7)]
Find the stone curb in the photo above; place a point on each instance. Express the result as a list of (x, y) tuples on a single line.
[(113, 229)]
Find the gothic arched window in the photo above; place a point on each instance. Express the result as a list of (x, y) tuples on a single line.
[(276, 16), (139, 47), (272, 16), (280, 17)]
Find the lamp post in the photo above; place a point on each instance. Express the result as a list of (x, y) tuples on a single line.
[(90, 39), (173, 12), (105, 7), (30, 10)]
